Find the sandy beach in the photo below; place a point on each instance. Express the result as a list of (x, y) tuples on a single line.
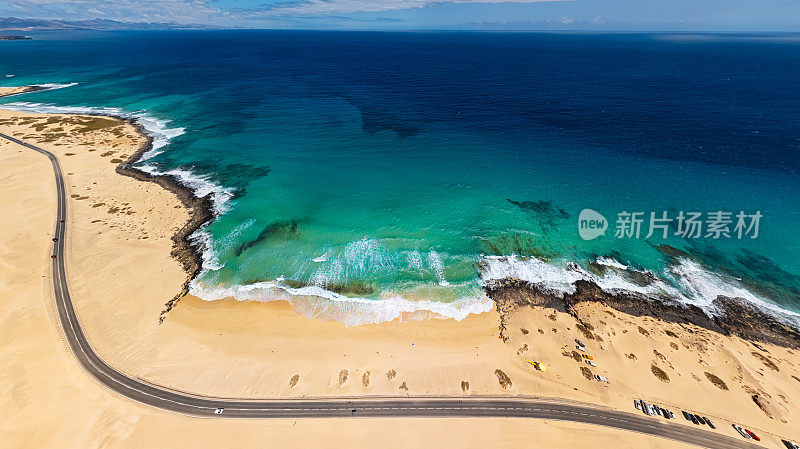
[(122, 274)]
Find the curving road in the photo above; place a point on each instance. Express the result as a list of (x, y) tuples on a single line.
[(362, 407)]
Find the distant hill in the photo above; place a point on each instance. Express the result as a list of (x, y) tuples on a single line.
[(16, 24)]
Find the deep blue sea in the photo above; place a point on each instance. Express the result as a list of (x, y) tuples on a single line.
[(365, 176)]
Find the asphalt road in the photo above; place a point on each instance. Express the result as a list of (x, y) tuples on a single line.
[(174, 401)]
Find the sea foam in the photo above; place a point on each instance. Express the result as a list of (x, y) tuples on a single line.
[(157, 129), (685, 282), (161, 134), (316, 302)]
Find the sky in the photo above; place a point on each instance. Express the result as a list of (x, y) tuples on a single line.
[(725, 15)]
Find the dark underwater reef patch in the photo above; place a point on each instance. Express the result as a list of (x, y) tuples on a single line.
[(373, 122), (236, 175), (520, 243), (279, 229), (351, 288), (544, 211)]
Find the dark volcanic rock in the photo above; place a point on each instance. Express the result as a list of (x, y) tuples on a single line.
[(200, 211), (735, 318)]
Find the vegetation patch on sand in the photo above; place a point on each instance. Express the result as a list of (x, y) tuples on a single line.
[(716, 381), (293, 381), (766, 361), (659, 373), (343, 376), (503, 378), (587, 373)]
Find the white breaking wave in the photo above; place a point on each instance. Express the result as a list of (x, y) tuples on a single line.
[(696, 285), (319, 303), (435, 263), (611, 262), (550, 277), (703, 286), (53, 86), (202, 185), (161, 134)]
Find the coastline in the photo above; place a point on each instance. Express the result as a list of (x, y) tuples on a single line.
[(11, 91), (736, 318), (249, 349), (43, 387), (200, 210)]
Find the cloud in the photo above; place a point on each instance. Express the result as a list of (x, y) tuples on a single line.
[(327, 7), (211, 11), (184, 11)]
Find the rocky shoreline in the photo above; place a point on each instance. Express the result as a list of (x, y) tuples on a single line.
[(735, 317), (200, 210), (23, 90)]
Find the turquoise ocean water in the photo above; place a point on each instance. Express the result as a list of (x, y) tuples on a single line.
[(365, 176)]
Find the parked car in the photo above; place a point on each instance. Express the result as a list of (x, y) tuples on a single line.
[(637, 404), (587, 357), (741, 431), (752, 435), (700, 419), (600, 378), (789, 444), (580, 343), (590, 363), (694, 419), (219, 411), (686, 415), (580, 348), (671, 414), (710, 424)]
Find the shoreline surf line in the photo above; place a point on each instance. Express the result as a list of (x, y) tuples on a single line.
[(191, 246), (186, 245)]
